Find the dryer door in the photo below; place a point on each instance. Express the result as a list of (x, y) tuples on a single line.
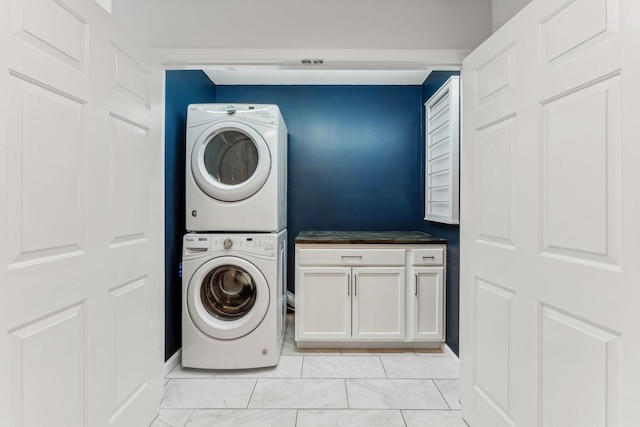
[(230, 161), (227, 297)]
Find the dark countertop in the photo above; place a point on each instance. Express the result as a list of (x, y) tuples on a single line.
[(360, 237)]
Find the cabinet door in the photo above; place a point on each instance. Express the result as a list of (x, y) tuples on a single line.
[(323, 304), (427, 304), (378, 303)]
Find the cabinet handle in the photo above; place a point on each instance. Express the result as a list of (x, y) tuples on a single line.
[(351, 256), (415, 292), (348, 284), (429, 257), (355, 285)]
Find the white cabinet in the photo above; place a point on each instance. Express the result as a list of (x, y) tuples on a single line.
[(427, 304), (442, 148), (323, 303), (343, 303), (378, 303), (356, 295), (350, 294)]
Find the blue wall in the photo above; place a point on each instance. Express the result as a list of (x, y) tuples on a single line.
[(182, 88), (354, 155), (449, 232), (356, 161)]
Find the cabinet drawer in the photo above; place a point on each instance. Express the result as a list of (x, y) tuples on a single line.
[(338, 257), (431, 256)]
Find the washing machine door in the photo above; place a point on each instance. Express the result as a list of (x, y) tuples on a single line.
[(227, 297), (230, 161)]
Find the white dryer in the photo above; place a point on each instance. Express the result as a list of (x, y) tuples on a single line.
[(236, 168), (233, 304)]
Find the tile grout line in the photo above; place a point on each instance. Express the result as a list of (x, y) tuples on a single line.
[(255, 384), (346, 392), (403, 418), (383, 368), (441, 394), (190, 416)]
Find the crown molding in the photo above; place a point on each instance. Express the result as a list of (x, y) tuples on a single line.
[(337, 59)]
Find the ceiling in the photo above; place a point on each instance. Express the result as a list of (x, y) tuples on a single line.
[(364, 42), (234, 75), (307, 24)]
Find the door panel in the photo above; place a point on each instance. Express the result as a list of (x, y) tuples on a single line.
[(46, 172), (378, 303), (565, 340), (427, 303), (56, 28), (320, 291), (575, 28), (130, 187), (549, 229), (493, 346), (133, 253), (82, 283), (496, 182), (45, 253), (488, 222), (58, 340), (585, 121)]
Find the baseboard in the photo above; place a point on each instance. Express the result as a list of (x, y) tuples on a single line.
[(448, 350), (172, 362)]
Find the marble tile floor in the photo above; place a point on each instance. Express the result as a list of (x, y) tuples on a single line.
[(337, 388)]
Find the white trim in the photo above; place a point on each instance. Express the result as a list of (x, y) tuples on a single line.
[(373, 346), (172, 362), (447, 349), (358, 59)]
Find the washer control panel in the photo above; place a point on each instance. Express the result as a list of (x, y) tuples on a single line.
[(248, 243), (194, 244)]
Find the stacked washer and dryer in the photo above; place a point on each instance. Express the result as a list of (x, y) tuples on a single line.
[(234, 255)]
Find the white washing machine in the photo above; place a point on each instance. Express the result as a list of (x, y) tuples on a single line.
[(233, 303), (236, 171)]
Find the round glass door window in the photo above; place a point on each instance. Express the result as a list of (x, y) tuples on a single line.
[(227, 297), (230, 161), (228, 292), (231, 157)]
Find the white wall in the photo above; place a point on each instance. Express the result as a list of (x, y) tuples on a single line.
[(503, 10), (307, 24)]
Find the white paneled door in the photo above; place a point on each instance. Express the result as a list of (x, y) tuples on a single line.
[(550, 280), (81, 246)]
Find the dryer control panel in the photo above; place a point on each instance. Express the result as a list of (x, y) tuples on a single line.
[(264, 112)]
